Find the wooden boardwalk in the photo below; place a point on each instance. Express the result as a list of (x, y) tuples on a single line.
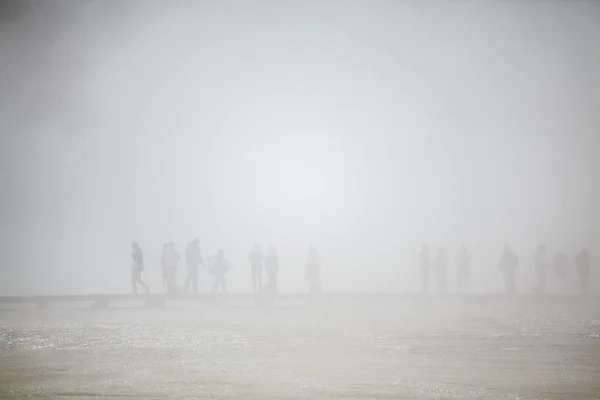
[(298, 299)]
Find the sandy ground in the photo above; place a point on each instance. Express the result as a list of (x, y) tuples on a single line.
[(298, 352)]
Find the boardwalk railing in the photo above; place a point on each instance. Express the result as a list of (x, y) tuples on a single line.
[(297, 299)]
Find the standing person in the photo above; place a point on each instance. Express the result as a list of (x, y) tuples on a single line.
[(508, 265), (169, 261), (256, 267), (193, 259), (272, 269), (541, 265), (440, 265), (424, 268), (313, 265), (583, 269), (137, 267), (219, 267), (463, 261)]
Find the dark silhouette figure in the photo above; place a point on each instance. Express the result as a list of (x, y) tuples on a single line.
[(560, 264), (439, 267), (219, 268), (424, 268), (169, 262), (508, 266), (256, 267), (272, 269), (137, 267), (193, 259), (463, 262), (313, 266), (583, 269), (541, 266)]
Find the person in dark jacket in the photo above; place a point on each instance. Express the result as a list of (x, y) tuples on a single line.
[(508, 265), (256, 266), (193, 259), (137, 267)]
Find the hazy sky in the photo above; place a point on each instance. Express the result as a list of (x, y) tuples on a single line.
[(366, 128)]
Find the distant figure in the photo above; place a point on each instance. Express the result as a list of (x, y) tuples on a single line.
[(169, 261), (219, 267), (583, 269), (193, 259), (272, 269), (439, 267), (313, 265), (424, 268), (508, 265), (560, 264), (256, 267), (463, 262), (137, 266), (541, 265)]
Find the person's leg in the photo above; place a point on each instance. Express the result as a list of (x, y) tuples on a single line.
[(139, 280)]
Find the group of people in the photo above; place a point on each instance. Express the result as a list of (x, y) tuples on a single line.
[(218, 266), (508, 265)]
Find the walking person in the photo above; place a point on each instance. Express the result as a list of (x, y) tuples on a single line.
[(583, 269), (508, 265), (424, 268), (193, 259), (169, 262), (272, 270), (256, 266), (463, 261), (137, 266), (313, 266), (219, 267), (440, 265)]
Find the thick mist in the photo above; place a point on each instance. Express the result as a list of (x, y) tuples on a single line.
[(363, 128)]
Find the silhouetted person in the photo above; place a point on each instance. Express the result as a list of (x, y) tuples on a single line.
[(508, 265), (560, 264), (439, 267), (313, 266), (256, 267), (583, 268), (541, 265), (193, 259), (463, 262), (272, 270), (137, 267), (169, 261), (424, 268), (219, 268)]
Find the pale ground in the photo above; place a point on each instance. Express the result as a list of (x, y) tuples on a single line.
[(366, 352)]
